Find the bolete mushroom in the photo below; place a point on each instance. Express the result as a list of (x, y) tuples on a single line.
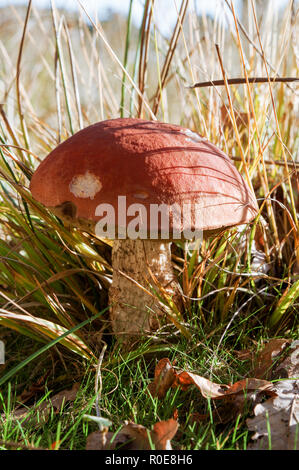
[(105, 174)]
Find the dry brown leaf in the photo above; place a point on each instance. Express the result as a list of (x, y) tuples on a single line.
[(280, 414), (134, 436), (289, 368), (96, 441), (207, 388), (239, 395), (198, 417), (101, 440), (234, 397), (137, 436), (33, 389), (161, 435), (42, 411), (244, 355), (249, 385), (66, 395), (264, 361), (164, 378), (163, 432)]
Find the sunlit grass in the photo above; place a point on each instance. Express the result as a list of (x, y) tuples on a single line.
[(240, 287)]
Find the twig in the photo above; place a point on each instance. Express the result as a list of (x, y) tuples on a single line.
[(272, 162), (240, 81), (98, 381)]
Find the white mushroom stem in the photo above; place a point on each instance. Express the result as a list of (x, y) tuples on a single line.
[(133, 311)]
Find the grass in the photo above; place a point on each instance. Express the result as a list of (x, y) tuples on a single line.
[(124, 397), (240, 288)]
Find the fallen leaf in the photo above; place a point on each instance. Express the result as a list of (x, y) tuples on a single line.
[(34, 389), (198, 417), (42, 411), (164, 378), (102, 440), (58, 400), (160, 436), (163, 432), (239, 396), (207, 388), (265, 358), (289, 368), (134, 436), (245, 386), (234, 397), (244, 355), (276, 420), (96, 441)]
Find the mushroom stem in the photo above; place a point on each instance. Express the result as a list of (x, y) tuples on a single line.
[(133, 311)]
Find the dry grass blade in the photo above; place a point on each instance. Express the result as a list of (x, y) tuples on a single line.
[(241, 81), (118, 62), (169, 55), (265, 179), (98, 380), (21, 115), (233, 116), (74, 76), (276, 120), (144, 47), (246, 34)]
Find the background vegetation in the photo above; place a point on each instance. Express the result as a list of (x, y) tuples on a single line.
[(60, 72)]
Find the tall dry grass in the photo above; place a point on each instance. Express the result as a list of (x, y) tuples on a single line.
[(62, 71)]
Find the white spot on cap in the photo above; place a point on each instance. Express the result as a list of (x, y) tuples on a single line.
[(192, 136), (84, 186)]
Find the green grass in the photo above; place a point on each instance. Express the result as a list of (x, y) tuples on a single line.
[(124, 395), (54, 277)]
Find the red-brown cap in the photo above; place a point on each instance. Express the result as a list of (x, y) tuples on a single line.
[(150, 163)]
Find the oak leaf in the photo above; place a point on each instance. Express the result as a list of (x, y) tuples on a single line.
[(134, 436)]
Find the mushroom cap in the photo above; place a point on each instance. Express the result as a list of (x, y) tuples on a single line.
[(149, 162)]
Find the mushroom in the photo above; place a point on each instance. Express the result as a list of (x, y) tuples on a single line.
[(105, 174)]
